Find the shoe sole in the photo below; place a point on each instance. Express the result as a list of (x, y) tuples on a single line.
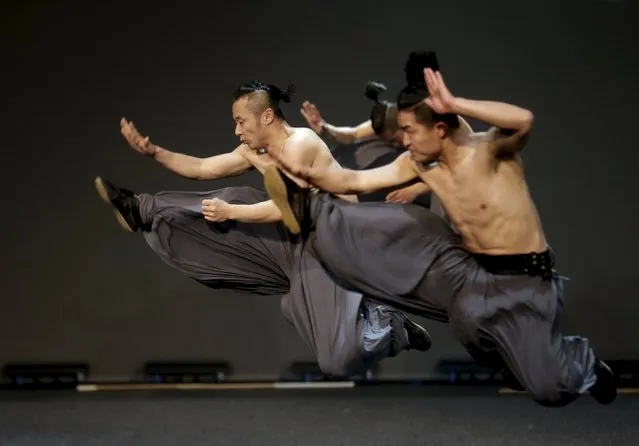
[(609, 396), (278, 192), (427, 334), (104, 195)]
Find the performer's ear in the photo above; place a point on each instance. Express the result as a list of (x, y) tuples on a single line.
[(442, 130), (268, 116)]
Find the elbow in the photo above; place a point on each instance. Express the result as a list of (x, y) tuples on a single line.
[(527, 121), (275, 216), (197, 170)]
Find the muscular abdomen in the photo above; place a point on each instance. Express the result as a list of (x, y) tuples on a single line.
[(495, 214)]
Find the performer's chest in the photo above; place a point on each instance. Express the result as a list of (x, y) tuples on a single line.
[(464, 192)]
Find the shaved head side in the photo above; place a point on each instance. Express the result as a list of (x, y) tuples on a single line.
[(261, 96)]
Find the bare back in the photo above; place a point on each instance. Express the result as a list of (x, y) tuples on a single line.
[(488, 201)]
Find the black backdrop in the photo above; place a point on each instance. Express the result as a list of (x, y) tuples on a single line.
[(75, 287)]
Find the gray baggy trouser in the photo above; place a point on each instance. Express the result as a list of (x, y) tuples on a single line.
[(410, 258), (347, 332)]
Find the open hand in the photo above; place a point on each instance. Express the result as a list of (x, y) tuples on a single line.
[(440, 100), (312, 116), (135, 139), (216, 210), (405, 195)]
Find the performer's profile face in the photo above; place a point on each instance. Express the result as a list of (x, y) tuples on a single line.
[(422, 141), (247, 124)]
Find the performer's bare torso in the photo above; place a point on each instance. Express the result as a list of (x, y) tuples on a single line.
[(260, 159), (321, 157), (488, 202)]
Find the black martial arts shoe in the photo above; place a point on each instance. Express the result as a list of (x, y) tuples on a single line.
[(605, 389), (418, 337), (291, 199), (124, 202)]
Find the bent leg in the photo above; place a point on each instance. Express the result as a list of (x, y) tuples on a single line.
[(553, 368), (519, 331), (347, 333), (379, 249)]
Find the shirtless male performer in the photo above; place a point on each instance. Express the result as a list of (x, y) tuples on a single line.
[(228, 238), (494, 280), (373, 143)]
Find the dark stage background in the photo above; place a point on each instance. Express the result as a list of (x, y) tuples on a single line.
[(76, 287)]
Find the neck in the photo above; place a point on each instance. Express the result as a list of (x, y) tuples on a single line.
[(277, 136), (451, 154)]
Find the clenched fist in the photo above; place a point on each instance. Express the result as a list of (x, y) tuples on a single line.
[(216, 210)]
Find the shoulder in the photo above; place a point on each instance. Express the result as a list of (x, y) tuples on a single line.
[(303, 135), (243, 150), (305, 139), (478, 138), (405, 161)]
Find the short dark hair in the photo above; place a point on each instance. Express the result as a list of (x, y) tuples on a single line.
[(416, 63), (265, 96), (411, 98), (384, 114)]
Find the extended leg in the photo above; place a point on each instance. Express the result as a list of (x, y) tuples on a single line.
[(250, 258)]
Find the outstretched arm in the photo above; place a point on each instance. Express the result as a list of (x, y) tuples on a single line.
[(337, 180), (348, 135), (211, 168), (342, 135), (512, 124), (215, 167)]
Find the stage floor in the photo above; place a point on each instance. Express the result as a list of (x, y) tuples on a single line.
[(360, 416)]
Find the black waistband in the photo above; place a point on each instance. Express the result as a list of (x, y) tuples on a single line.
[(533, 264)]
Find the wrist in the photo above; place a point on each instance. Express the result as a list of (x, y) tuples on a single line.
[(458, 105), (156, 151), (234, 211)]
